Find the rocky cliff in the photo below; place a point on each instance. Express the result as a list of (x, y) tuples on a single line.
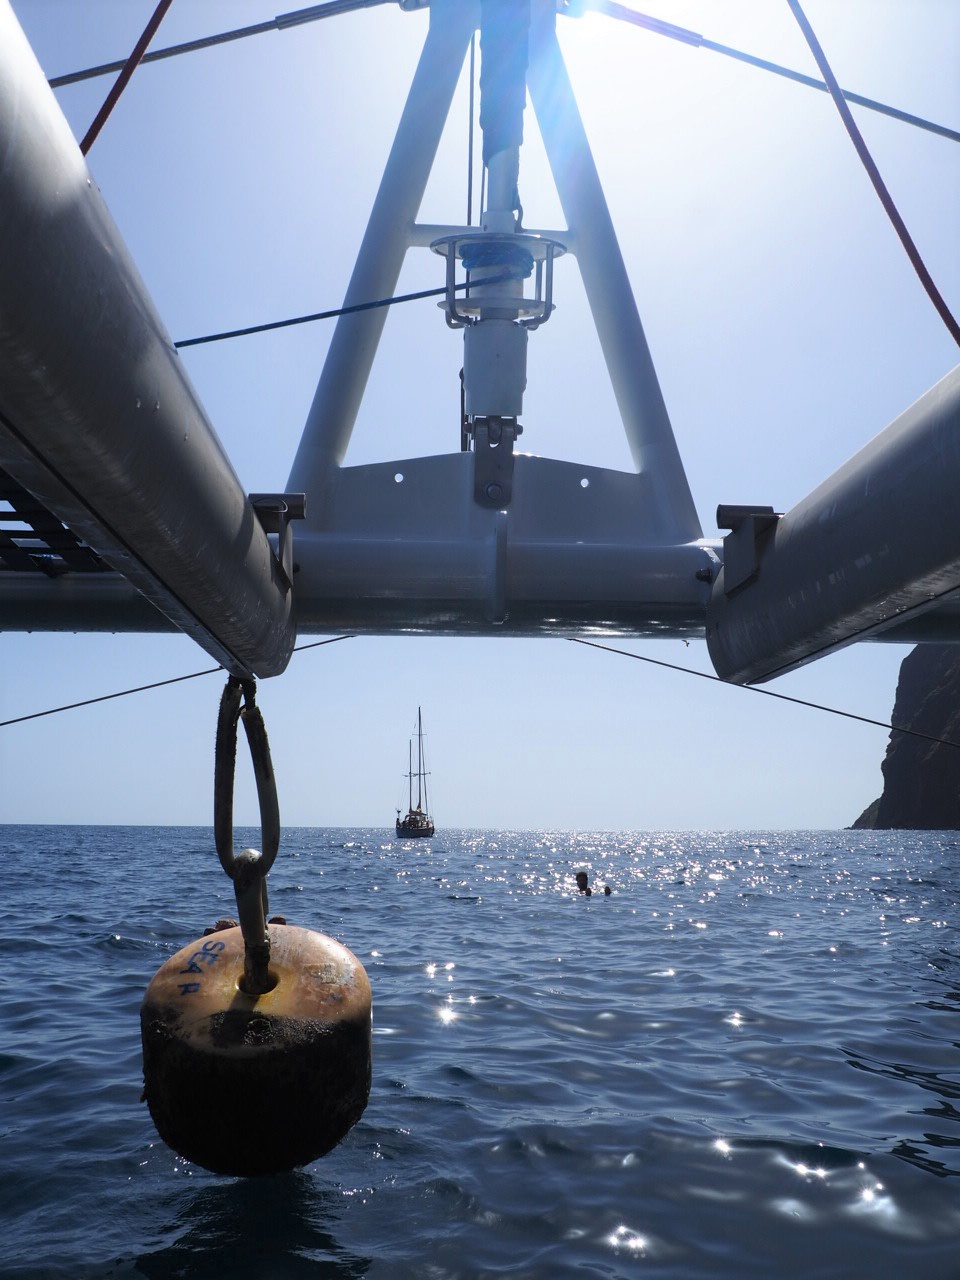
[(921, 780)]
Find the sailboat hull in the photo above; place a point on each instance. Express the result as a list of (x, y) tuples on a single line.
[(418, 830)]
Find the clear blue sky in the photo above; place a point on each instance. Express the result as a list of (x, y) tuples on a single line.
[(784, 319)]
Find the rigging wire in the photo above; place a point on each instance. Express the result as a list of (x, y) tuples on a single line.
[(158, 684), (607, 8), (622, 13), (856, 137), (127, 69), (315, 315), (296, 18), (590, 644), (329, 315), (767, 693)]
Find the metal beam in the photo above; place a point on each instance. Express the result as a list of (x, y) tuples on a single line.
[(401, 548), (353, 346), (605, 281), (872, 553), (97, 417)]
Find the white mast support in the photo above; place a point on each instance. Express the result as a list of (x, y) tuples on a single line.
[(427, 545), (97, 417), (622, 339), (353, 347)]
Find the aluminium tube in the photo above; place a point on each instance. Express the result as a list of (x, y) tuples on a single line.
[(619, 328), (97, 416), (353, 347), (877, 544)]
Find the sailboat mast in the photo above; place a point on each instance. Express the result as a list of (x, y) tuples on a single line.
[(423, 772), (409, 775), (419, 757)]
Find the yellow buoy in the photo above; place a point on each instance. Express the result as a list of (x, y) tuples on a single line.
[(248, 1084)]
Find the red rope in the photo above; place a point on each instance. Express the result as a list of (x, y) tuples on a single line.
[(129, 67), (886, 199)]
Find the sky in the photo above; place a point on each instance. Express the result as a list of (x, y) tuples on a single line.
[(785, 322)]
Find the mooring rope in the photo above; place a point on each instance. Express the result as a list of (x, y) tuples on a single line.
[(249, 869)]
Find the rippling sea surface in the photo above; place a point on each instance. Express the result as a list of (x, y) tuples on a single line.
[(744, 1062)]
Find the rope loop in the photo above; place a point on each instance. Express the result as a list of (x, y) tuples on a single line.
[(225, 771), (248, 869)]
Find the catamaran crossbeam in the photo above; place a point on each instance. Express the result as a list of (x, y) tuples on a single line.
[(98, 421)]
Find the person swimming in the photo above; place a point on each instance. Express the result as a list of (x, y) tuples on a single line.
[(583, 884)]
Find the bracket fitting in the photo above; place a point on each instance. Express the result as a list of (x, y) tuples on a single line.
[(493, 440), (275, 512), (742, 546)]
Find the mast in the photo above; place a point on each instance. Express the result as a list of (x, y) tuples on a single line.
[(419, 756), (409, 776), (426, 802)]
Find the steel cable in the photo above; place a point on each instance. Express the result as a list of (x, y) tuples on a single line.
[(142, 688), (767, 693)]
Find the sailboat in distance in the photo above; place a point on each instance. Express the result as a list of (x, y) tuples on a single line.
[(418, 822)]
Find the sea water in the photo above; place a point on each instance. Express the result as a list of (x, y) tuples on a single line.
[(743, 1062)]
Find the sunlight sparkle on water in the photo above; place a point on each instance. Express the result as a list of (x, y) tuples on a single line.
[(625, 1238), (872, 1201)]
